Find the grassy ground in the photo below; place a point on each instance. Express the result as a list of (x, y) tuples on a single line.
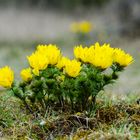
[(115, 117)]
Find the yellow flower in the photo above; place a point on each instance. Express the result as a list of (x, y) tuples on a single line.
[(26, 74), (38, 61), (6, 77), (52, 53), (62, 77), (74, 27), (62, 62), (122, 58), (35, 72), (101, 56), (85, 27), (73, 68), (81, 27), (81, 53), (78, 51)]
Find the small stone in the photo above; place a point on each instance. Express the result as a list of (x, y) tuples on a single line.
[(42, 123), (1, 134)]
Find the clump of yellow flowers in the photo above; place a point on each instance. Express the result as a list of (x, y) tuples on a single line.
[(102, 56), (52, 77)]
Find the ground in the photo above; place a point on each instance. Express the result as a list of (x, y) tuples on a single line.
[(115, 117)]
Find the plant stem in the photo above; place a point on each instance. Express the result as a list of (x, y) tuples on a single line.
[(93, 101), (27, 106)]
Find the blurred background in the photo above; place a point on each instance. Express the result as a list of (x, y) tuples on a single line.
[(26, 23)]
